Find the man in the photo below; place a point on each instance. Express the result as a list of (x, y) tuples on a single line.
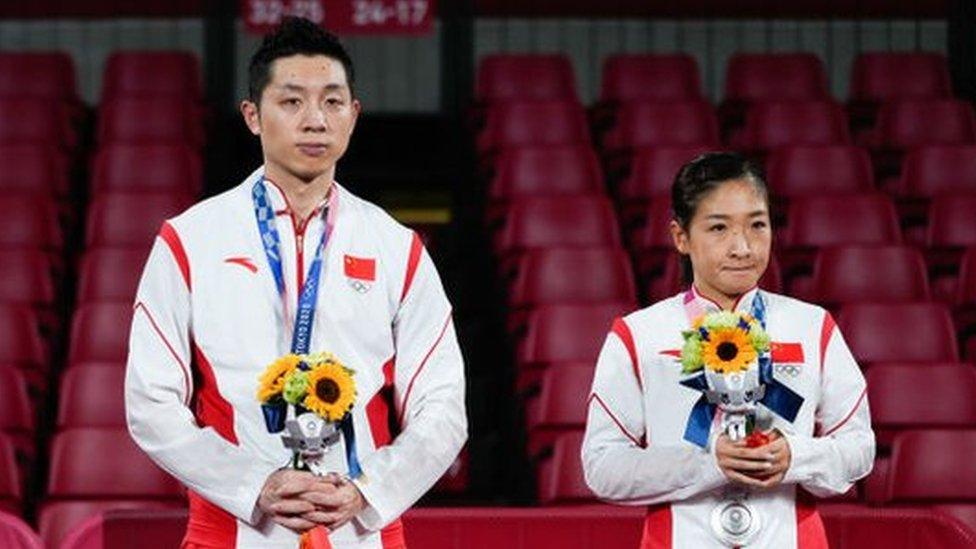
[(217, 303)]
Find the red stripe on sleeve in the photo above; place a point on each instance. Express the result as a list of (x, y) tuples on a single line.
[(186, 371), (416, 246), (406, 395), (172, 239), (849, 414), (826, 331), (640, 442), (627, 338)]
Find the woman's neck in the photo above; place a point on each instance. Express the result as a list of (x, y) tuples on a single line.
[(724, 301)]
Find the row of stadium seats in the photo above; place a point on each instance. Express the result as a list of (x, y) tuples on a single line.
[(876, 78)]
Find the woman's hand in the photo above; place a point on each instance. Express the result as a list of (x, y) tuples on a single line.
[(763, 467)]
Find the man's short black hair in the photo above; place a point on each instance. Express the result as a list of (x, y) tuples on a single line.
[(295, 36)]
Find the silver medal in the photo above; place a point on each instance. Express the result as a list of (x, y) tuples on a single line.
[(735, 523)]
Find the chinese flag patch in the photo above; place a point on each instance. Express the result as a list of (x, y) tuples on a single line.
[(359, 268), (790, 353)]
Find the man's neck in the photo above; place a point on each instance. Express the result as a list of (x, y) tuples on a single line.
[(302, 196)]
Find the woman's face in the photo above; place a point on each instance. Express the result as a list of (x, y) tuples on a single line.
[(728, 240)]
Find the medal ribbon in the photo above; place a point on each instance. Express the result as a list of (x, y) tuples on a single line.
[(307, 297)]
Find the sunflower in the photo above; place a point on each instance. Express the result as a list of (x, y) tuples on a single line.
[(272, 381), (331, 390), (728, 350)]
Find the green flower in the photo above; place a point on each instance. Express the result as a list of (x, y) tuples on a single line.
[(719, 320), (759, 338), (296, 386), (691, 353)]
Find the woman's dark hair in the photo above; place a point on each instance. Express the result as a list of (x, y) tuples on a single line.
[(295, 36), (699, 177)]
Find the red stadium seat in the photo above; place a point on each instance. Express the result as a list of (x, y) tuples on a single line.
[(967, 278), (110, 274), (823, 169), (34, 121), (538, 123), (17, 417), (58, 519), (570, 169), (851, 526), (151, 73), (650, 77), (16, 414), (34, 168), (595, 526), (883, 76), (813, 220), (154, 528), (157, 120), (568, 333), (643, 124), (30, 221), (652, 171), (129, 474), (507, 77), (10, 477), (163, 168), (92, 397), (100, 332), (905, 332), (111, 219), (754, 77), (560, 478), (938, 169), (579, 222), (952, 221), (16, 534), (20, 341), (574, 275), (44, 75), (920, 396), (904, 125), (655, 232), (848, 274), (80, 486), (783, 124), (933, 466), (26, 277), (559, 405)]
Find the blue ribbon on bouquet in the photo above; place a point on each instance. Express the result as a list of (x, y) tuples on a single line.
[(778, 398), (304, 317)]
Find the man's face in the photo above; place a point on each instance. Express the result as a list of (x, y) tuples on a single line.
[(305, 117)]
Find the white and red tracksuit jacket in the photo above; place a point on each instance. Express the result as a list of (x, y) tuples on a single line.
[(208, 319), (634, 452)]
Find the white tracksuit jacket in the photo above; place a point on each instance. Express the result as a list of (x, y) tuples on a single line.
[(208, 319), (634, 452)]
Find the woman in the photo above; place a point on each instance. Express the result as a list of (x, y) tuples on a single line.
[(637, 450)]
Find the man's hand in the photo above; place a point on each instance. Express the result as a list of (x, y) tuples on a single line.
[(286, 498), (763, 467), (336, 507)]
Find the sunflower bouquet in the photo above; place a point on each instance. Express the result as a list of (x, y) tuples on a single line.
[(725, 348), (307, 397)]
